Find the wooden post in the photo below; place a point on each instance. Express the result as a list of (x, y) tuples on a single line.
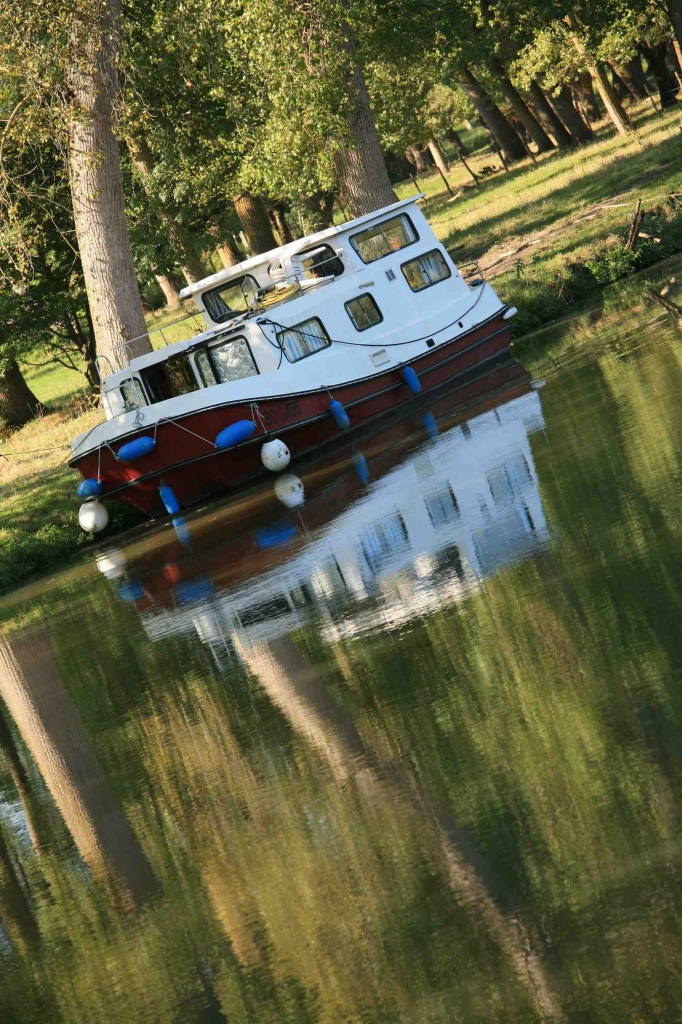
[(447, 184), (634, 227), (469, 169)]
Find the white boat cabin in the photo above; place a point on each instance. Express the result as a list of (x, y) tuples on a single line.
[(314, 313)]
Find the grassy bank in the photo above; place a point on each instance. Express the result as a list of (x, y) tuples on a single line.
[(548, 234), (583, 200)]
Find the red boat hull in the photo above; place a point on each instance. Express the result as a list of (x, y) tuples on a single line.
[(185, 456)]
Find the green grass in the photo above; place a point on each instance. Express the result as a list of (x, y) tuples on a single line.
[(509, 208)]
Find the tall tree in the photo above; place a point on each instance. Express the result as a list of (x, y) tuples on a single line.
[(97, 189), (503, 133), (553, 122), (614, 107), (675, 15), (255, 223), (18, 404)]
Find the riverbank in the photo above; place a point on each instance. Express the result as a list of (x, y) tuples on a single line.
[(552, 234)]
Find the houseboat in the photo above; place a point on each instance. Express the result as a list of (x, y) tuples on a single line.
[(302, 345)]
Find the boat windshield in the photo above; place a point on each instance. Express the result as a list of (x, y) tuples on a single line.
[(235, 296)]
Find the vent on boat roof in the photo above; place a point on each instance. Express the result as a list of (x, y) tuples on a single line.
[(390, 274)]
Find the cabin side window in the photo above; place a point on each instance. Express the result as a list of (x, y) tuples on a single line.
[(384, 238), (181, 375), (322, 262), (426, 270), (303, 340), (167, 379), (232, 360), (132, 394), (363, 312), (234, 296), (204, 368)]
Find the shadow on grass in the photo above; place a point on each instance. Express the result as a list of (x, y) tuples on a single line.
[(624, 171)]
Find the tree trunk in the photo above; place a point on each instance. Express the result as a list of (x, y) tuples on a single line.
[(320, 210), (280, 223), (170, 286), (35, 697), (97, 194), (666, 82), (614, 108), (16, 913), (566, 110), (583, 90), (18, 404), (674, 57), (503, 133), (454, 139), (181, 244), (551, 120), (30, 804), (296, 688), (633, 75), (439, 158), (518, 105), (364, 184), (227, 248), (675, 15), (417, 158), (620, 86), (227, 255), (255, 223)]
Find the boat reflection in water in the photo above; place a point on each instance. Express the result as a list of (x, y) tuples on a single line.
[(407, 522)]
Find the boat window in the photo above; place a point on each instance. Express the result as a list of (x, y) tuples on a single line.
[(322, 263), (363, 312), (382, 239), (235, 296), (181, 375), (383, 540), (426, 270), (304, 339), (204, 368), (132, 394), (156, 382), (232, 360), (442, 506)]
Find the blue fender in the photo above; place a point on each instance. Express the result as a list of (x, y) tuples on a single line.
[(182, 531), (131, 591), (90, 488), (412, 380), (361, 468), (190, 591), (276, 534), (136, 449), (237, 432), (169, 500), (340, 415), (430, 425)]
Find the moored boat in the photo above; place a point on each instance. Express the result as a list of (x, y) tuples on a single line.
[(303, 345)]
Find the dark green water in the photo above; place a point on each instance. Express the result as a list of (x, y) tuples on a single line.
[(408, 752)]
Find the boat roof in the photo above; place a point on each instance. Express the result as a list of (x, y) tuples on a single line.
[(291, 248)]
